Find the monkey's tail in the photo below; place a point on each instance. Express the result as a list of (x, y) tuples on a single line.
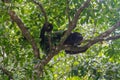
[(42, 35)]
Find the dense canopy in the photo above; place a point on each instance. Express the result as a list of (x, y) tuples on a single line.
[(97, 57)]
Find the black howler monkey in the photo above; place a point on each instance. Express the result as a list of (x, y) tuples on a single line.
[(47, 27), (73, 39)]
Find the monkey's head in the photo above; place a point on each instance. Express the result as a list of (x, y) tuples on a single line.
[(48, 27)]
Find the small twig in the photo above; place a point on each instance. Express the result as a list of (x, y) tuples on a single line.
[(8, 73), (6, 1), (25, 32), (42, 9), (2, 52), (113, 37), (67, 10)]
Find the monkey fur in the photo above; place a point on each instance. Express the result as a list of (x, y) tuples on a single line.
[(73, 39)]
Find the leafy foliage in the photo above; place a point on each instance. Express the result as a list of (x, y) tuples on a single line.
[(101, 61)]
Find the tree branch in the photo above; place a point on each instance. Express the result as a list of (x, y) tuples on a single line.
[(106, 39), (113, 37), (56, 50), (77, 14), (42, 9), (67, 11), (25, 32), (106, 33), (73, 23), (6, 1), (46, 19), (101, 37)]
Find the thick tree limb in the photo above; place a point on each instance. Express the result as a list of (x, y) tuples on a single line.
[(25, 32), (102, 37), (73, 23), (82, 49), (56, 50)]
